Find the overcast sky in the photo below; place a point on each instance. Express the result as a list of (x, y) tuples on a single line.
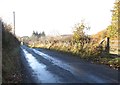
[(56, 16)]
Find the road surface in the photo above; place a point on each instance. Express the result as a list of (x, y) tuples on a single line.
[(46, 66)]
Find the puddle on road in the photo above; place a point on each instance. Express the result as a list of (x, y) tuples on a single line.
[(39, 70)]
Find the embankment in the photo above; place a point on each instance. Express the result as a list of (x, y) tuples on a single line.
[(11, 65)]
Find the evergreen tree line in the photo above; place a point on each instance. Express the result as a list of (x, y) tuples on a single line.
[(38, 35)]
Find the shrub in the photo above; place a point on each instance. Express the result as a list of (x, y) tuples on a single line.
[(115, 63)]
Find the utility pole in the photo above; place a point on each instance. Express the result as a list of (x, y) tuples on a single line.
[(14, 21)]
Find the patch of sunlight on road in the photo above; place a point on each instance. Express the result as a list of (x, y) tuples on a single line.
[(39, 70), (55, 61)]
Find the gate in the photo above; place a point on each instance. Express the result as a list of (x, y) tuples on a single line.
[(114, 47), (111, 46)]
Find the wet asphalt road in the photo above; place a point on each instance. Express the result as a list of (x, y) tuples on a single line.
[(46, 66)]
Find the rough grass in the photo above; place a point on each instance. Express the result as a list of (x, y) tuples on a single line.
[(11, 66)]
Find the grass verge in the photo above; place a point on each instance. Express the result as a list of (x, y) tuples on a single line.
[(11, 64)]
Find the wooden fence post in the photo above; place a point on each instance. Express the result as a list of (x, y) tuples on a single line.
[(108, 45)]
